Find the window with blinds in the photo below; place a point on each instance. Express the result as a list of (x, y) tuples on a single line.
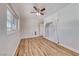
[(11, 20)]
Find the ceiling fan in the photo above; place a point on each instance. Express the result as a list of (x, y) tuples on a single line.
[(38, 11)]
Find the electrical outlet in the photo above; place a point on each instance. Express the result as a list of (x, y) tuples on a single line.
[(58, 42)]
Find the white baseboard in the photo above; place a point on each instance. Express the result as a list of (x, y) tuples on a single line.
[(28, 36), (50, 39), (22, 38), (16, 47), (72, 49)]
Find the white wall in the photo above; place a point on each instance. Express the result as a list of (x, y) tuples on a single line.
[(13, 38), (3, 36), (41, 28), (8, 42), (29, 26), (50, 24), (68, 26)]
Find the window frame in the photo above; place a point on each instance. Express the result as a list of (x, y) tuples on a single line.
[(13, 20)]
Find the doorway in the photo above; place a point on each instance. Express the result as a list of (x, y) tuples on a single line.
[(51, 31)]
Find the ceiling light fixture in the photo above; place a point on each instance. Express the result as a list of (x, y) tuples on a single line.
[(38, 14)]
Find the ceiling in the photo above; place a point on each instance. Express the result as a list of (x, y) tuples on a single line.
[(25, 9)]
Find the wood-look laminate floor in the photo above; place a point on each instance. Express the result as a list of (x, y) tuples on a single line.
[(40, 46)]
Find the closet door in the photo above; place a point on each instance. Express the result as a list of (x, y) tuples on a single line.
[(51, 31)]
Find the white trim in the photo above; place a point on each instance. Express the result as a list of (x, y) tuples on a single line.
[(16, 19), (29, 36), (10, 7), (16, 47), (51, 40), (72, 49)]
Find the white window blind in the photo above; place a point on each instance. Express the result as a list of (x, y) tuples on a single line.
[(11, 21)]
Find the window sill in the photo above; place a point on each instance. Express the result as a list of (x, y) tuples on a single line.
[(11, 32)]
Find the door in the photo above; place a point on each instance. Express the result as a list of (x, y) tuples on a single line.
[(50, 31)]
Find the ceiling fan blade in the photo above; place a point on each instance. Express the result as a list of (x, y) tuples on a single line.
[(35, 8), (43, 9), (42, 13), (33, 12)]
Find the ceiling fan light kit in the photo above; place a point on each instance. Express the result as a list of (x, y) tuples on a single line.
[(38, 11), (38, 14)]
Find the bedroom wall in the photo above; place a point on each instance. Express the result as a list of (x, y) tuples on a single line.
[(3, 36), (14, 38), (67, 26), (29, 26), (50, 25), (8, 41)]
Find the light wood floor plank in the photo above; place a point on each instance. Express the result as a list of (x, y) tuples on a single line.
[(55, 48), (39, 46)]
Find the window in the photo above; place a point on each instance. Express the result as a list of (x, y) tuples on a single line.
[(14, 24), (11, 21)]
